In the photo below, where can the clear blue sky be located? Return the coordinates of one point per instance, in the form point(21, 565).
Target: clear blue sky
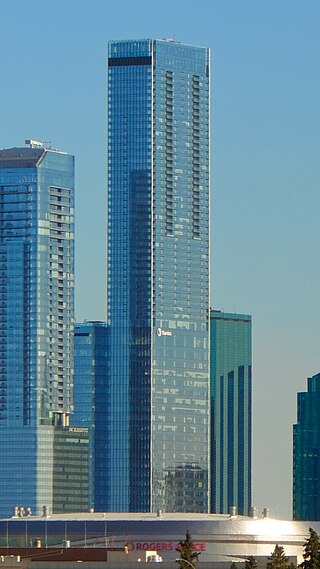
point(265, 168)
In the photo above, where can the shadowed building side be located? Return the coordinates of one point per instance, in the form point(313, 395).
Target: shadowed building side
point(306, 453)
point(231, 411)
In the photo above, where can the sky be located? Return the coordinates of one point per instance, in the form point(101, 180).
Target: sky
point(265, 169)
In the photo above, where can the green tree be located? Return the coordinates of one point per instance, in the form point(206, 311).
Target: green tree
point(251, 563)
point(233, 565)
point(277, 559)
point(188, 556)
point(311, 555)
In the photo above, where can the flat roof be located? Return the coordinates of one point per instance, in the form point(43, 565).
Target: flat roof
point(23, 157)
point(125, 516)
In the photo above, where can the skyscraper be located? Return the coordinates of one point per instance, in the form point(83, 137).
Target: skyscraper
point(231, 394)
point(91, 401)
point(36, 318)
point(158, 276)
point(306, 454)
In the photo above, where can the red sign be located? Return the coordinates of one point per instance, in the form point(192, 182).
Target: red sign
point(164, 546)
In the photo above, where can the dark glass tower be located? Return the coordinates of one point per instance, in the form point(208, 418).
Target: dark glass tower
point(91, 401)
point(36, 319)
point(158, 276)
point(70, 480)
point(231, 395)
point(306, 454)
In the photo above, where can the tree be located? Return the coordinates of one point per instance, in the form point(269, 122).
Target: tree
point(277, 559)
point(187, 554)
point(233, 565)
point(251, 563)
point(311, 554)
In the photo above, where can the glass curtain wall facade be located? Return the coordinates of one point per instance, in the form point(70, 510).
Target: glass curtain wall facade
point(306, 454)
point(70, 470)
point(231, 412)
point(158, 276)
point(92, 401)
point(36, 317)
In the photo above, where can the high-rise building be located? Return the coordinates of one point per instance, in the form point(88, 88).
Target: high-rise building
point(91, 401)
point(36, 319)
point(231, 394)
point(306, 453)
point(158, 276)
point(71, 461)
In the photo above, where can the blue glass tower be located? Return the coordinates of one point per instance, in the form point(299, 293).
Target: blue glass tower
point(231, 412)
point(36, 318)
point(91, 401)
point(306, 454)
point(158, 276)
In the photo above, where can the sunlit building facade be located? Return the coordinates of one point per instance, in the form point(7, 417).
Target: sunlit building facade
point(131, 537)
point(306, 453)
point(158, 276)
point(231, 412)
point(36, 319)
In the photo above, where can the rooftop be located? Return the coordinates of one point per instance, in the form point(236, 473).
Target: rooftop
point(137, 516)
point(23, 157)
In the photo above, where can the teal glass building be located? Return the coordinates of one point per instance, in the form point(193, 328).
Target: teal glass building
point(158, 276)
point(92, 401)
point(36, 319)
point(231, 412)
point(306, 453)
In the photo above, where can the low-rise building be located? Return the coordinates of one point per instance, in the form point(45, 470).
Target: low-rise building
point(124, 538)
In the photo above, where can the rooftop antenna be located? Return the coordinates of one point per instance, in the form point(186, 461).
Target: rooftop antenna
point(36, 143)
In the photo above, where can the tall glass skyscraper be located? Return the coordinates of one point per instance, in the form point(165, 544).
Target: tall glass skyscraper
point(158, 276)
point(231, 395)
point(91, 401)
point(36, 318)
point(306, 454)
